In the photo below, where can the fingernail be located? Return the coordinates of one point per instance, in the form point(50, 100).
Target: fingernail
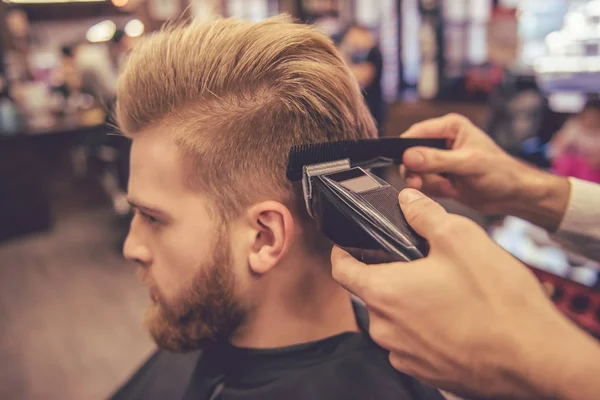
point(414, 158)
point(409, 195)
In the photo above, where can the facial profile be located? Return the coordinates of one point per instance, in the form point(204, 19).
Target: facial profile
point(183, 252)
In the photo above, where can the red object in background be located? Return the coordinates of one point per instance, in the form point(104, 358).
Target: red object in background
point(578, 302)
point(483, 78)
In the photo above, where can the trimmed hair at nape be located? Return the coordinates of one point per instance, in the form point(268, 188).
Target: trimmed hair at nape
point(236, 96)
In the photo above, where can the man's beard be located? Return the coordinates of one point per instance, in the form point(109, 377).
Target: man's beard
point(206, 311)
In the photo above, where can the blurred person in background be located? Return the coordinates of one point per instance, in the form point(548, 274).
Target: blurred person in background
point(20, 41)
point(100, 71)
point(66, 78)
point(363, 56)
point(329, 23)
point(234, 265)
point(118, 49)
point(575, 148)
point(100, 74)
point(17, 63)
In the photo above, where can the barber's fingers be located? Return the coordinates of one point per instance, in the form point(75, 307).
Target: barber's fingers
point(413, 181)
point(422, 214)
point(428, 160)
point(447, 126)
point(432, 184)
point(355, 276)
point(410, 179)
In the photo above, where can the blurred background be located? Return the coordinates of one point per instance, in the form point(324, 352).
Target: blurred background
point(527, 72)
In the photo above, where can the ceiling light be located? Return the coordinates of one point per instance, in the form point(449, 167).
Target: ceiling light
point(50, 1)
point(101, 32)
point(134, 28)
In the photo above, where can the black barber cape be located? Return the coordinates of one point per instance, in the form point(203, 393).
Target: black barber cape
point(346, 366)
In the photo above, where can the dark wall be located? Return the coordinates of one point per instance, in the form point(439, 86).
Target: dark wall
point(3, 36)
point(70, 11)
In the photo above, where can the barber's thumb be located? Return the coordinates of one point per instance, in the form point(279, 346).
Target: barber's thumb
point(421, 213)
point(352, 274)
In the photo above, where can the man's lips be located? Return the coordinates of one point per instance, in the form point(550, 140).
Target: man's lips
point(144, 276)
point(154, 294)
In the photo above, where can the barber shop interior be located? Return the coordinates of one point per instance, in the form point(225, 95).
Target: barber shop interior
point(235, 199)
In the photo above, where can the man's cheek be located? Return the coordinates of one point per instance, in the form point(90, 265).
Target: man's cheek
point(166, 282)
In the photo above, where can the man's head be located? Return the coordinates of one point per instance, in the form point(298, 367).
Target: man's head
point(213, 109)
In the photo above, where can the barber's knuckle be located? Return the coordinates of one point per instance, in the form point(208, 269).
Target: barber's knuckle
point(442, 230)
point(456, 118)
point(338, 269)
point(381, 334)
point(453, 116)
point(354, 282)
point(349, 279)
point(387, 293)
point(464, 222)
point(475, 156)
point(376, 330)
point(432, 158)
point(395, 361)
point(366, 286)
point(462, 228)
point(451, 229)
point(414, 127)
point(438, 234)
point(376, 287)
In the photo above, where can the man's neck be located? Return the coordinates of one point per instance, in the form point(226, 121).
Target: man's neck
point(298, 308)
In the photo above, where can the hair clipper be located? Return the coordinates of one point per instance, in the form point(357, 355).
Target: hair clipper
point(355, 209)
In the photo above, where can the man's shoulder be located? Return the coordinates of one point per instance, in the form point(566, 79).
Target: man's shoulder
point(368, 370)
point(164, 375)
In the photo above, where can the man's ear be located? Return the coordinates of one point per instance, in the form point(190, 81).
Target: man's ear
point(273, 230)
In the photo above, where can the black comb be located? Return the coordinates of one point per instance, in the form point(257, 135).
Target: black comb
point(358, 151)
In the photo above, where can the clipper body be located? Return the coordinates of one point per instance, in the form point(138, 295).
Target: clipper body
point(359, 212)
point(354, 208)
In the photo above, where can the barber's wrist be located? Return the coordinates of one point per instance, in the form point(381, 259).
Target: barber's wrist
point(546, 359)
point(580, 378)
point(542, 198)
point(567, 367)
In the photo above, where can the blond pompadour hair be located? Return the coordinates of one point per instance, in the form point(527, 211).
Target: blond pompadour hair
point(236, 96)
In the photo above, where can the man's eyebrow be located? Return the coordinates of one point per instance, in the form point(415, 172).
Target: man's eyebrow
point(146, 207)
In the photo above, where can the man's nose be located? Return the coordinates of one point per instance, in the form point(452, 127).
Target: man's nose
point(134, 250)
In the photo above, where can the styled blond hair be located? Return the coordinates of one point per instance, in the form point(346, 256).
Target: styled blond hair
point(237, 95)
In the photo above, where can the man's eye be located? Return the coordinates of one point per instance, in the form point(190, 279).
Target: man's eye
point(149, 218)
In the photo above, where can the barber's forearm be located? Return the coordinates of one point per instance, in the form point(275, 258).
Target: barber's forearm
point(542, 199)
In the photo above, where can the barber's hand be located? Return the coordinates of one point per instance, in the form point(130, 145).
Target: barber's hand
point(478, 173)
point(469, 318)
